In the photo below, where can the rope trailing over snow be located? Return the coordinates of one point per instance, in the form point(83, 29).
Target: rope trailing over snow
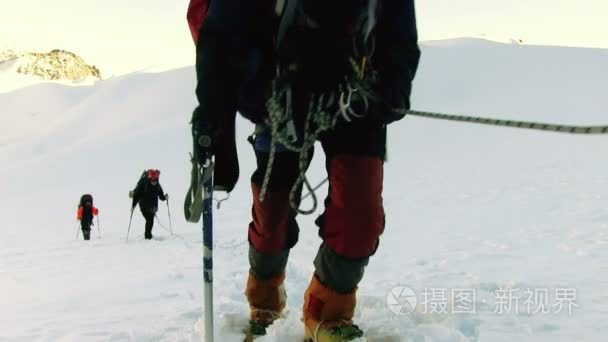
point(601, 129)
point(329, 122)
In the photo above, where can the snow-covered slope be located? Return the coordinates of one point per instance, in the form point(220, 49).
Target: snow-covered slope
point(468, 207)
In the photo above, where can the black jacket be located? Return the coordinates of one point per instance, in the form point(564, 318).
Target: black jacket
point(147, 195)
point(235, 55)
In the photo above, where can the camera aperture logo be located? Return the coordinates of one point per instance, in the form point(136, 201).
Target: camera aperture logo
point(401, 300)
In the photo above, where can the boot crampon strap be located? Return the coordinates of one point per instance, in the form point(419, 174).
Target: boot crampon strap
point(328, 314)
point(334, 331)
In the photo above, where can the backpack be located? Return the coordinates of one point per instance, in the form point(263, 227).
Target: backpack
point(141, 182)
point(87, 212)
point(84, 199)
point(143, 176)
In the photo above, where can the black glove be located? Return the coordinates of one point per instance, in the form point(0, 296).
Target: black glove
point(393, 102)
point(215, 139)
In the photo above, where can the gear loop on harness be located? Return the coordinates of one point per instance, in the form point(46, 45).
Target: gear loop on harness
point(324, 110)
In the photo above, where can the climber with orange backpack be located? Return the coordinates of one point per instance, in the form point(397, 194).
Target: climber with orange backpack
point(85, 214)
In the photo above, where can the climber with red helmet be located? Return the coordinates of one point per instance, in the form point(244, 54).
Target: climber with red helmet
point(146, 193)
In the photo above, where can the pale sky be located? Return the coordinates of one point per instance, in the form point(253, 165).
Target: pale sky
point(128, 35)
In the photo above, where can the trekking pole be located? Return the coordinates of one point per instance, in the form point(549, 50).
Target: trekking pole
point(98, 228)
point(199, 200)
point(77, 230)
point(129, 229)
point(208, 253)
point(169, 213)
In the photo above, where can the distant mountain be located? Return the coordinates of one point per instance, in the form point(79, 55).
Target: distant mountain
point(53, 65)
